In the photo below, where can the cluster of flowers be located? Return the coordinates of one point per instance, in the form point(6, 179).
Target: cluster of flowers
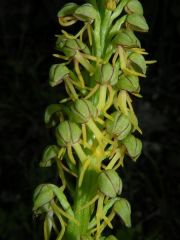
point(95, 123)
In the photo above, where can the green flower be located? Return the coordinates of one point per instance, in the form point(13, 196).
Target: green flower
point(133, 146)
point(50, 153)
point(70, 46)
point(123, 209)
point(137, 23)
point(86, 13)
point(109, 183)
point(120, 126)
point(126, 38)
point(129, 83)
point(67, 10)
point(57, 74)
point(134, 6)
point(43, 194)
point(68, 133)
point(82, 110)
point(138, 62)
point(107, 74)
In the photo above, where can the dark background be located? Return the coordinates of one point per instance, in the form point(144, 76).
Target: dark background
point(152, 185)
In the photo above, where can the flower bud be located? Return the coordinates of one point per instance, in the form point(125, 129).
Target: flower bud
point(68, 133)
point(82, 111)
point(133, 146)
point(86, 12)
point(123, 209)
point(67, 10)
point(138, 62)
point(129, 83)
point(126, 38)
point(43, 194)
point(57, 74)
point(137, 23)
point(134, 6)
point(109, 183)
point(120, 126)
point(49, 154)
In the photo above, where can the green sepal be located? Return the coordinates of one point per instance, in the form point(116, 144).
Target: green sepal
point(43, 194)
point(120, 126)
point(111, 237)
point(60, 42)
point(49, 154)
point(70, 46)
point(137, 23)
point(134, 6)
point(57, 73)
point(61, 197)
point(86, 13)
point(82, 111)
point(129, 83)
point(67, 10)
point(133, 146)
point(109, 183)
point(123, 209)
point(50, 114)
point(68, 132)
point(125, 38)
point(138, 62)
point(107, 74)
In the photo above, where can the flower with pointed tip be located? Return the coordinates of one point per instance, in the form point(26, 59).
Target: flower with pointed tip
point(86, 13)
point(134, 6)
point(123, 209)
point(126, 39)
point(137, 62)
point(137, 23)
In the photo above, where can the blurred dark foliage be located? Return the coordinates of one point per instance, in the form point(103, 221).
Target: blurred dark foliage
point(152, 185)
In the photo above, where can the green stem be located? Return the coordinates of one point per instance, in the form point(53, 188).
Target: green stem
point(84, 194)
